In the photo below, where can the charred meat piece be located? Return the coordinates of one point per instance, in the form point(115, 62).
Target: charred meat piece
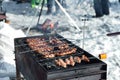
point(67, 61)
point(63, 45)
point(77, 59)
point(54, 41)
point(72, 62)
point(49, 55)
point(41, 49)
point(57, 62)
point(39, 45)
point(66, 51)
point(36, 42)
point(45, 48)
point(61, 63)
point(35, 39)
point(85, 58)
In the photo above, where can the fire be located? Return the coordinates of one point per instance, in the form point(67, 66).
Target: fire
point(51, 25)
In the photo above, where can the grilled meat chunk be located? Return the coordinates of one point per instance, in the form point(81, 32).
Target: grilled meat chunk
point(77, 59)
point(85, 58)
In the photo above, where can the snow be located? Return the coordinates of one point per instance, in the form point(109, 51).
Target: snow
point(7, 62)
point(96, 42)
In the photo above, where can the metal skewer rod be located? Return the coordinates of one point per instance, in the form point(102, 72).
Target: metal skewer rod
point(41, 45)
point(83, 42)
point(24, 52)
point(44, 40)
point(43, 2)
point(73, 40)
point(29, 27)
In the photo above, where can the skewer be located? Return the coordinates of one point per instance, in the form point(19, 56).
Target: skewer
point(39, 46)
point(23, 52)
point(63, 57)
point(42, 45)
point(45, 40)
point(50, 64)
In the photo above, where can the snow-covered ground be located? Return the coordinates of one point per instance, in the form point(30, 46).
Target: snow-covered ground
point(96, 42)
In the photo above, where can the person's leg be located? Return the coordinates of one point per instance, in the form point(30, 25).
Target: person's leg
point(57, 7)
point(49, 6)
point(98, 8)
point(64, 3)
point(105, 7)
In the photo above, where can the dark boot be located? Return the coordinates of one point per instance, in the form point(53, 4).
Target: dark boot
point(57, 7)
point(98, 8)
point(105, 7)
point(49, 6)
point(64, 3)
point(49, 11)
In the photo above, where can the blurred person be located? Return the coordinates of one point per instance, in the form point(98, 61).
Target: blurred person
point(64, 3)
point(50, 4)
point(101, 7)
point(57, 7)
point(21, 1)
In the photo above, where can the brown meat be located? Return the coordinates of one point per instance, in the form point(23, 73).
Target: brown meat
point(63, 45)
point(66, 51)
point(72, 62)
point(49, 56)
point(54, 41)
point(67, 61)
point(77, 59)
point(62, 63)
point(57, 62)
point(85, 58)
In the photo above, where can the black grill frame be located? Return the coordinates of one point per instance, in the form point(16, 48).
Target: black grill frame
point(32, 68)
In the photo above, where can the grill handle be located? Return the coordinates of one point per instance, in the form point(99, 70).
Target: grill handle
point(113, 34)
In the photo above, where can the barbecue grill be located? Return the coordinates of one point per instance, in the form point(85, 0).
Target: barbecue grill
point(34, 66)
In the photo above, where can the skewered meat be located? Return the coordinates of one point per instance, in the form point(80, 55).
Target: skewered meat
point(67, 61)
point(58, 53)
point(49, 55)
point(42, 43)
point(54, 41)
point(72, 62)
point(85, 58)
point(36, 42)
point(61, 63)
point(57, 62)
point(66, 51)
point(45, 48)
point(41, 46)
point(41, 49)
point(62, 46)
point(77, 59)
